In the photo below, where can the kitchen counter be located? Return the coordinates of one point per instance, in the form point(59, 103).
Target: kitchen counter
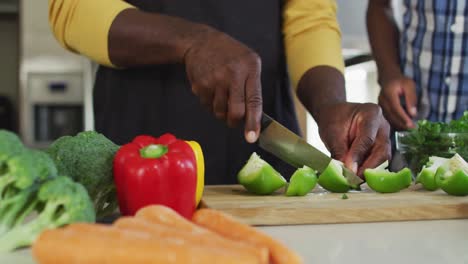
point(415, 242)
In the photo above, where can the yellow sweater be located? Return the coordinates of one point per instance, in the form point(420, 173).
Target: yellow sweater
point(312, 34)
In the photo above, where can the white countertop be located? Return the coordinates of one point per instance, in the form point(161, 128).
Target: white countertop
point(428, 242)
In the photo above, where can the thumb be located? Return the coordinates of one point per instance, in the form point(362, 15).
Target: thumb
point(409, 90)
point(361, 145)
point(253, 108)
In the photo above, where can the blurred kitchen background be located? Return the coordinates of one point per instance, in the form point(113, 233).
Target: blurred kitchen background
point(46, 92)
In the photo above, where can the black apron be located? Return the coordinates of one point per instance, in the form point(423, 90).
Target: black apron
point(158, 99)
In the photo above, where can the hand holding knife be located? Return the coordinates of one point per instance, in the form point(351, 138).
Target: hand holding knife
point(291, 148)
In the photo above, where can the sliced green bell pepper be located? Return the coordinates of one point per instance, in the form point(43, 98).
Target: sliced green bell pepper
point(381, 180)
point(302, 182)
point(427, 175)
point(259, 177)
point(452, 176)
point(332, 178)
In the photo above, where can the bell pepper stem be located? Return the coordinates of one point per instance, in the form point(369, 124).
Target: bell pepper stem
point(153, 151)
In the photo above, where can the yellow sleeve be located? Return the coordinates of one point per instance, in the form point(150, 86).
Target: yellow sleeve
point(312, 36)
point(82, 26)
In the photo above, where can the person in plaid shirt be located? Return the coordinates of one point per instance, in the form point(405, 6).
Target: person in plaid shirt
point(422, 66)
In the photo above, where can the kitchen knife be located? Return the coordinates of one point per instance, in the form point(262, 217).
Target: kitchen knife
point(291, 148)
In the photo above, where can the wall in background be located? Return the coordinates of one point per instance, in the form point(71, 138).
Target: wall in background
point(352, 16)
point(36, 36)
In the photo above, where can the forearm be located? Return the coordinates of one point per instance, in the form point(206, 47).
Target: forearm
point(383, 36)
point(321, 86)
point(138, 38)
point(312, 37)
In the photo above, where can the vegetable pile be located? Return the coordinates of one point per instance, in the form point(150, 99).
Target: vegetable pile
point(158, 234)
point(260, 178)
point(450, 175)
point(31, 185)
point(435, 139)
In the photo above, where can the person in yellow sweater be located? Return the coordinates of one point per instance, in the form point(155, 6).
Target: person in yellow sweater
point(184, 66)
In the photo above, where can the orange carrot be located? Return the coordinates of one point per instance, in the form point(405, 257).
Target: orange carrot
point(159, 214)
point(93, 244)
point(205, 239)
point(166, 216)
point(231, 228)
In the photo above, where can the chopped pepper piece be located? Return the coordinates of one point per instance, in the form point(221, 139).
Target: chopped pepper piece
point(452, 176)
point(427, 175)
point(332, 178)
point(302, 182)
point(380, 179)
point(259, 177)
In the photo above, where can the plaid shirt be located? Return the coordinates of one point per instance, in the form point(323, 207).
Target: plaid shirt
point(434, 53)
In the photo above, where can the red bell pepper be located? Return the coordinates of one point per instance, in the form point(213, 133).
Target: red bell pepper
point(164, 170)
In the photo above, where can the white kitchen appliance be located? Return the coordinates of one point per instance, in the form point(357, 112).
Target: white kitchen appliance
point(53, 97)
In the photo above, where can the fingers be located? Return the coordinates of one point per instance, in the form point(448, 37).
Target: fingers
point(220, 103)
point(409, 90)
point(366, 133)
point(253, 106)
point(381, 151)
point(226, 78)
point(337, 146)
point(394, 112)
point(205, 93)
point(236, 105)
point(389, 100)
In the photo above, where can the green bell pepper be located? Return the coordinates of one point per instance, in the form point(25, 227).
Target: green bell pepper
point(381, 180)
point(259, 177)
point(452, 176)
point(332, 178)
point(427, 175)
point(302, 182)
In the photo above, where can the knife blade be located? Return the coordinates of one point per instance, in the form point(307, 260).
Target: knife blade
point(289, 147)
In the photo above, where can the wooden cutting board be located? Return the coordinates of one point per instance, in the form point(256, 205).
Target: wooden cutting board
point(322, 207)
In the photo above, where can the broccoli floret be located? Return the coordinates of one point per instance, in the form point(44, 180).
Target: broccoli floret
point(87, 158)
point(10, 145)
point(22, 170)
point(19, 182)
point(58, 202)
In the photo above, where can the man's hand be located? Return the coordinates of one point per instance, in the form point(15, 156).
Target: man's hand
point(225, 75)
point(389, 100)
point(356, 134)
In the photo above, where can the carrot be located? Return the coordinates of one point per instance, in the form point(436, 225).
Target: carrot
point(166, 216)
point(231, 228)
point(209, 239)
point(93, 244)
